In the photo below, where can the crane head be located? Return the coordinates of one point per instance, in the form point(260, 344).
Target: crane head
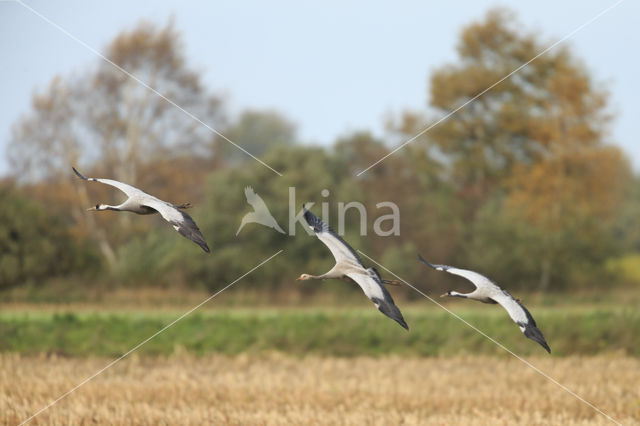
point(98, 207)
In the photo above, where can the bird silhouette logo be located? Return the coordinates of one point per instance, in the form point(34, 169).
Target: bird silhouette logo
point(260, 213)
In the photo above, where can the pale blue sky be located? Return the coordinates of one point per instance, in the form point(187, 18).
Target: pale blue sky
point(332, 67)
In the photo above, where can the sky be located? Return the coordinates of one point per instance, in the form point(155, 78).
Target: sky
point(332, 67)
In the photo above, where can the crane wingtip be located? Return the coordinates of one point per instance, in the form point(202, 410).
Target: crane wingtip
point(426, 263)
point(545, 346)
point(534, 333)
point(80, 175)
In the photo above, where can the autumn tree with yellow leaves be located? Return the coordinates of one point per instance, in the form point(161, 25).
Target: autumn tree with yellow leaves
point(532, 152)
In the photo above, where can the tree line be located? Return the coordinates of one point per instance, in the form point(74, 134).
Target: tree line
point(523, 184)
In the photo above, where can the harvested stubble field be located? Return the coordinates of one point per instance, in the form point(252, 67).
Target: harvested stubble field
point(282, 390)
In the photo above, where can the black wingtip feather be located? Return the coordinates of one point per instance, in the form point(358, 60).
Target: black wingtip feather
point(400, 320)
point(389, 308)
point(425, 262)
point(403, 324)
point(80, 175)
point(190, 230)
point(533, 333)
point(319, 226)
point(312, 220)
point(531, 329)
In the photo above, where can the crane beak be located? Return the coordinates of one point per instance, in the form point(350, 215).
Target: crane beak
point(91, 209)
point(444, 295)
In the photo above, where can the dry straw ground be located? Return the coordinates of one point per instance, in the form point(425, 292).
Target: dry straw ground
point(282, 390)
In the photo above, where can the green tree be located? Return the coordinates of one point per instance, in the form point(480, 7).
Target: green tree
point(257, 132)
point(626, 228)
point(411, 179)
point(36, 246)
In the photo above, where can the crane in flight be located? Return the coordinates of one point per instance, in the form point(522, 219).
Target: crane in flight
point(140, 202)
point(350, 268)
point(488, 292)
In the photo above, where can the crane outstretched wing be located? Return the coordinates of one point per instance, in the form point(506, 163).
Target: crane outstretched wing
point(339, 248)
point(476, 279)
point(181, 221)
point(129, 190)
point(374, 290)
point(522, 317)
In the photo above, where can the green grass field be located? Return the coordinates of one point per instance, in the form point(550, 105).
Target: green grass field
point(325, 332)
